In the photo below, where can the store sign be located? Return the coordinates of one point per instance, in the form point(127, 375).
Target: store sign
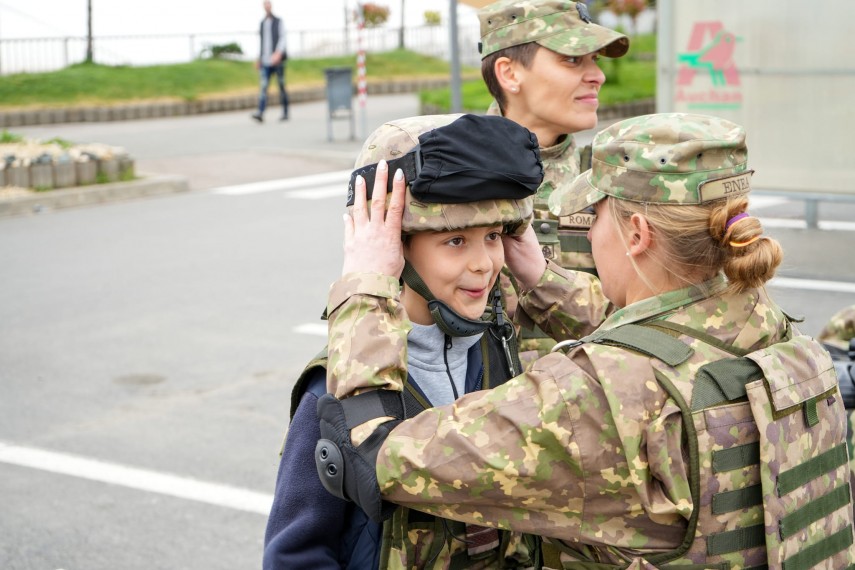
point(707, 77)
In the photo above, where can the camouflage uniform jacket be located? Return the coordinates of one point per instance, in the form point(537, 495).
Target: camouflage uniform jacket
point(588, 447)
point(563, 241)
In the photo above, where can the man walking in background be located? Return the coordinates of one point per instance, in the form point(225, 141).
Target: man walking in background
point(271, 59)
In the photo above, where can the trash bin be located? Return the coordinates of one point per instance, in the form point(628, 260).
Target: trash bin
point(339, 97)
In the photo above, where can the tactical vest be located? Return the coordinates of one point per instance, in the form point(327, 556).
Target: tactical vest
point(766, 442)
point(563, 240)
point(413, 539)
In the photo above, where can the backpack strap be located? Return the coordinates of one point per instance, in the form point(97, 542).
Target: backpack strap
point(645, 340)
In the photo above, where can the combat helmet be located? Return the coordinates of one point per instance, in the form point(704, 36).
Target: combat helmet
point(461, 171)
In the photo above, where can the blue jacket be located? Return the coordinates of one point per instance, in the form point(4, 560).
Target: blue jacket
point(309, 528)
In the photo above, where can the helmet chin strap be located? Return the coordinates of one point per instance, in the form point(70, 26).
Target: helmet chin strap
point(446, 318)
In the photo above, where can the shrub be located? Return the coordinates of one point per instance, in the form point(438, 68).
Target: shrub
point(432, 18)
point(374, 14)
point(217, 51)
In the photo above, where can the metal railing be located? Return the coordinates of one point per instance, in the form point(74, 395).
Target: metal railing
point(31, 55)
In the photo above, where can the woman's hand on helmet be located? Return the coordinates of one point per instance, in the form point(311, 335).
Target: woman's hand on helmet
point(372, 234)
point(524, 257)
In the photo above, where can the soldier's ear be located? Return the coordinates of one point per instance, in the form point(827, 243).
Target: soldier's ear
point(640, 235)
point(507, 74)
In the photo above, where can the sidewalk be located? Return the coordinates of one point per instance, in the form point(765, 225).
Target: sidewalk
point(201, 152)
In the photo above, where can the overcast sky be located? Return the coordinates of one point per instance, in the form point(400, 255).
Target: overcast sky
point(52, 18)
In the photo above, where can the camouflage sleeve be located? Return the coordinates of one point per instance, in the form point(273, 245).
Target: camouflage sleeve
point(505, 457)
point(551, 453)
point(566, 304)
point(368, 329)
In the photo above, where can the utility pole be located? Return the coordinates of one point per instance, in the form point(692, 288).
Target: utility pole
point(454, 55)
point(401, 32)
point(89, 31)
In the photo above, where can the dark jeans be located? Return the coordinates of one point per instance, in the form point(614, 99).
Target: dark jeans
point(265, 72)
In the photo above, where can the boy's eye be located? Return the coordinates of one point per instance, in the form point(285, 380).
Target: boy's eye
point(493, 236)
point(455, 241)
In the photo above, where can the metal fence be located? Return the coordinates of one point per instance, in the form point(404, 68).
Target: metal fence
point(30, 55)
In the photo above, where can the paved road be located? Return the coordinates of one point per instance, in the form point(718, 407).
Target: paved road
point(148, 348)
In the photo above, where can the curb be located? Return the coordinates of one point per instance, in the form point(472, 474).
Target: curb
point(161, 109)
point(39, 202)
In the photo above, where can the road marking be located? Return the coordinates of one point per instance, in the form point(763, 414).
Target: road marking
point(302, 182)
point(787, 223)
point(134, 478)
point(316, 329)
point(321, 192)
point(812, 285)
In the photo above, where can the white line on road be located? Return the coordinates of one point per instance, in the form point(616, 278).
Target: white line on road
point(321, 192)
point(317, 329)
point(134, 478)
point(813, 285)
point(787, 223)
point(302, 182)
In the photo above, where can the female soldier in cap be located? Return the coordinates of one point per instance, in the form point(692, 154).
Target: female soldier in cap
point(539, 61)
point(458, 207)
point(695, 427)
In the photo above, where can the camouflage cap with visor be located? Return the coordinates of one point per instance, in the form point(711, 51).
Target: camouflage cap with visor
point(462, 171)
point(559, 25)
point(666, 158)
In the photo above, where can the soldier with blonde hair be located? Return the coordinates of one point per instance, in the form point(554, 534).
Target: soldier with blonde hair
point(694, 427)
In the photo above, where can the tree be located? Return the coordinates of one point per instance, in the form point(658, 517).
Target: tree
point(631, 8)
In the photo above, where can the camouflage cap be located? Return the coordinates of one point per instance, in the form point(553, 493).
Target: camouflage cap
point(667, 158)
point(394, 139)
point(559, 25)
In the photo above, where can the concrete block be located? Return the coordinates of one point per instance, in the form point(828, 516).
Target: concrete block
point(18, 176)
point(126, 168)
point(108, 170)
point(87, 172)
point(64, 175)
point(2, 178)
point(41, 176)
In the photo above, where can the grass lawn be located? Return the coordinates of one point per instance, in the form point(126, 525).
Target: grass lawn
point(629, 78)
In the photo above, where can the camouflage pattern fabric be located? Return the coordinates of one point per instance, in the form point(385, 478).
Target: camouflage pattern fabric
point(560, 168)
point(840, 328)
point(588, 447)
point(666, 158)
point(559, 25)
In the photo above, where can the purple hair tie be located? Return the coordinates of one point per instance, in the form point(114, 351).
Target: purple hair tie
point(735, 219)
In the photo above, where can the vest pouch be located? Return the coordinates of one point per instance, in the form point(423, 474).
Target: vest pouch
point(804, 465)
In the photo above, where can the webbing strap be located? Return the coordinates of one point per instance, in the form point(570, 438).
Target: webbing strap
point(574, 243)
point(814, 511)
point(645, 340)
point(371, 405)
point(811, 469)
point(816, 553)
point(700, 335)
point(736, 457)
point(723, 381)
point(738, 499)
point(736, 540)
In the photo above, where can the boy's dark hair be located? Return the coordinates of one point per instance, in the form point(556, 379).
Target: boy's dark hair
point(523, 53)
